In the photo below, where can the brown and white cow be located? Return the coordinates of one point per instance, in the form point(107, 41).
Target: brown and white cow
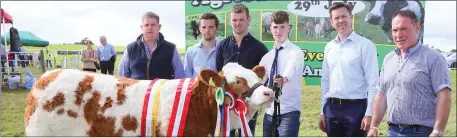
point(69, 102)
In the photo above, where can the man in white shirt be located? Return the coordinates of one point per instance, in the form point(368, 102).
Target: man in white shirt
point(286, 60)
point(349, 78)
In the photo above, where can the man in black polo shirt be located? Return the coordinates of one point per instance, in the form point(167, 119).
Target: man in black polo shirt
point(241, 47)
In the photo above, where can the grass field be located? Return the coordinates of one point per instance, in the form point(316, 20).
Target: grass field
point(13, 104)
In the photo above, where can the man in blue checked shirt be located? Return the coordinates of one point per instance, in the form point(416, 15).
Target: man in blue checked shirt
point(203, 54)
point(414, 85)
point(107, 55)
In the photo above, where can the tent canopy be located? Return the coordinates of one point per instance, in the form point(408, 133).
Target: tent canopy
point(7, 17)
point(27, 39)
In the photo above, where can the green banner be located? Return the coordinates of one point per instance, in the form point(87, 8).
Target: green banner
point(371, 20)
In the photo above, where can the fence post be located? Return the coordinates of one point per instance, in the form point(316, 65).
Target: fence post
point(43, 67)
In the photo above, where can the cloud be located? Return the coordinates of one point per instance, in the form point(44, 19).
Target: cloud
point(70, 21)
point(440, 24)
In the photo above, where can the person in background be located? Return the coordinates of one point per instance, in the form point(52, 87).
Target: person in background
point(107, 55)
point(241, 48)
point(349, 78)
point(2, 56)
point(150, 56)
point(203, 54)
point(89, 57)
point(284, 60)
point(414, 85)
point(21, 56)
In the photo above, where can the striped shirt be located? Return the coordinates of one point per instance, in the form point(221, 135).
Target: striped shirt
point(411, 84)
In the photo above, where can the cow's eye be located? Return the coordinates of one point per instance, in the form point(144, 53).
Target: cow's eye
point(237, 82)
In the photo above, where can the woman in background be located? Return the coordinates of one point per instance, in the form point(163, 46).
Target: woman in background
point(89, 57)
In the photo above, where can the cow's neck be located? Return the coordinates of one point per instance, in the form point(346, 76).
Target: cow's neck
point(202, 115)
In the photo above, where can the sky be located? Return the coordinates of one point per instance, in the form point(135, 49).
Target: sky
point(68, 22)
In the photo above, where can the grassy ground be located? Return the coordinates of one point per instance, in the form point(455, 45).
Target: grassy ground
point(13, 104)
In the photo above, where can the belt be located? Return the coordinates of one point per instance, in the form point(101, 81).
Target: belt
point(343, 101)
point(406, 126)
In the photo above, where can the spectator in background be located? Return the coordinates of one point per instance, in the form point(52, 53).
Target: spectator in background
point(21, 56)
point(107, 55)
point(89, 57)
point(2, 56)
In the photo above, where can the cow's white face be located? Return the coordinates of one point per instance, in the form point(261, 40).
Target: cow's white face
point(241, 80)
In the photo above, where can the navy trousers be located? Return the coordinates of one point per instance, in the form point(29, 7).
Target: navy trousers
point(344, 119)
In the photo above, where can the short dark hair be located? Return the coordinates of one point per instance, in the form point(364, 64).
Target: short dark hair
point(407, 13)
point(209, 16)
point(240, 8)
point(280, 17)
point(338, 5)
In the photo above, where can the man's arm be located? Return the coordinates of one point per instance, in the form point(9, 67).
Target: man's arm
point(325, 80)
point(113, 52)
point(124, 65)
point(220, 56)
point(188, 66)
point(99, 53)
point(294, 66)
point(441, 83)
point(370, 68)
point(177, 66)
point(379, 108)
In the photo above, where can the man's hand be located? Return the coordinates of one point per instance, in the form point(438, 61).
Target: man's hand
point(280, 81)
point(434, 135)
point(365, 125)
point(372, 133)
point(322, 123)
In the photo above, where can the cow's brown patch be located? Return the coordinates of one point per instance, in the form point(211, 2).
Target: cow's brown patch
point(43, 82)
point(56, 101)
point(30, 108)
point(60, 111)
point(123, 83)
point(129, 123)
point(104, 126)
point(201, 116)
point(108, 104)
point(83, 86)
point(240, 86)
point(99, 124)
point(72, 114)
point(92, 107)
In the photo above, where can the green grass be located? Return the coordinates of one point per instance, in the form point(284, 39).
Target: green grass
point(13, 104)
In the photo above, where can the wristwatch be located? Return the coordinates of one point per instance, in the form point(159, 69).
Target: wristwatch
point(437, 132)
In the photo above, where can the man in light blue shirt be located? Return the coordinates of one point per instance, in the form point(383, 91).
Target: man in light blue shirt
point(107, 55)
point(203, 54)
point(349, 78)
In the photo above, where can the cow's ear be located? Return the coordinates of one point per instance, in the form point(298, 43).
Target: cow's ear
point(208, 74)
point(259, 70)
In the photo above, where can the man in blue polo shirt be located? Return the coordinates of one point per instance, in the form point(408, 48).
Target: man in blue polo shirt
point(107, 55)
point(203, 54)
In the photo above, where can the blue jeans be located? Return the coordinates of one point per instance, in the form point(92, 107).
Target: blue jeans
point(251, 124)
point(290, 124)
point(396, 131)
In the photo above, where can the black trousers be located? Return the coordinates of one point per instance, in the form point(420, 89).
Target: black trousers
point(107, 66)
point(343, 119)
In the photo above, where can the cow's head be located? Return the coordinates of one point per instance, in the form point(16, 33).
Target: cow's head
point(244, 83)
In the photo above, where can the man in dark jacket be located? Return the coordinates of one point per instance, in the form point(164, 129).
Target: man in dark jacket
point(241, 47)
point(151, 56)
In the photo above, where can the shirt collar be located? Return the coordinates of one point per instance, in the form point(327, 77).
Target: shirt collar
point(244, 38)
point(200, 44)
point(142, 40)
point(284, 45)
point(410, 49)
point(351, 37)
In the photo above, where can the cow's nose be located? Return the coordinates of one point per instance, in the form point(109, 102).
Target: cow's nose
point(268, 93)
